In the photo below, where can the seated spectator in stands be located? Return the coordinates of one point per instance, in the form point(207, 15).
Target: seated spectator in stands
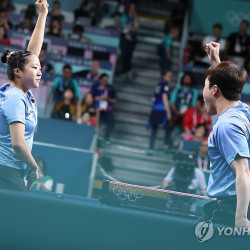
point(55, 27)
point(45, 182)
point(45, 65)
point(66, 109)
point(86, 10)
point(182, 98)
point(7, 6)
point(92, 74)
point(85, 119)
point(27, 25)
point(105, 98)
point(165, 48)
point(89, 115)
point(120, 9)
point(100, 11)
point(215, 37)
point(56, 11)
point(199, 133)
point(3, 36)
point(66, 81)
point(238, 45)
point(129, 27)
point(4, 21)
point(78, 34)
point(196, 115)
point(30, 10)
point(160, 114)
point(185, 177)
point(203, 161)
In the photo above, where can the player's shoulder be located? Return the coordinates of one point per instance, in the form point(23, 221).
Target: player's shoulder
point(13, 93)
point(234, 118)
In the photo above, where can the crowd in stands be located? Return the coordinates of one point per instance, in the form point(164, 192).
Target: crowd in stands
point(236, 47)
point(94, 108)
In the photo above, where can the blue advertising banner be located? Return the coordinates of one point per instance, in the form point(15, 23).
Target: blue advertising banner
point(68, 168)
point(64, 133)
point(15, 35)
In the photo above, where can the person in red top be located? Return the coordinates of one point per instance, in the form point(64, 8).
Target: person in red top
point(196, 115)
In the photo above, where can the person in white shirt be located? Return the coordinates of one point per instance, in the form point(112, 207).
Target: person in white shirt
point(215, 37)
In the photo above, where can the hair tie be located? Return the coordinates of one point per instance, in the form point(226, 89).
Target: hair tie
point(9, 55)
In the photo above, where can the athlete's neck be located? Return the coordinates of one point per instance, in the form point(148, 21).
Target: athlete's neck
point(19, 86)
point(223, 105)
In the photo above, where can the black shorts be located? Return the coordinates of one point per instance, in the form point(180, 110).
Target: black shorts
point(12, 179)
point(158, 117)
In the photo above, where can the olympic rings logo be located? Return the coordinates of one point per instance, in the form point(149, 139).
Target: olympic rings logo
point(124, 193)
point(234, 18)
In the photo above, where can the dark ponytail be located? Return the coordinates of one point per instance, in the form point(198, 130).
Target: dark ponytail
point(4, 56)
point(17, 59)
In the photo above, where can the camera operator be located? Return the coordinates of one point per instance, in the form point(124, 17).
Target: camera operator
point(185, 176)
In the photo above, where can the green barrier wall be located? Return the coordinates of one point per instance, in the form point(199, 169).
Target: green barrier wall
point(227, 12)
point(31, 221)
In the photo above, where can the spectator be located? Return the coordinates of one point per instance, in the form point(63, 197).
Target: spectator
point(27, 25)
point(199, 133)
point(100, 11)
point(56, 11)
point(78, 34)
point(30, 11)
point(92, 74)
point(105, 99)
point(3, 36)
point(45, 65)
point(86, 10)
point(119, 12)
point(185, 177)
point(161, 113)
point(89, 114)
point(85, 118)
point(45, 182)
point(7, 6)
point(238, 45)
point(182, 98)
point(215, 37)
point(4, 21)
point(55, 27)
point(66, 81)
point(66, 109)
point(203, 161)
point(129, 26)
point(196, 115)
point(165, 48)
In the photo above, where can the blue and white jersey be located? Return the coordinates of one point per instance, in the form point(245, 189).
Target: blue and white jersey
point(230, 138)
point(160, 89)
point(15, 106)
